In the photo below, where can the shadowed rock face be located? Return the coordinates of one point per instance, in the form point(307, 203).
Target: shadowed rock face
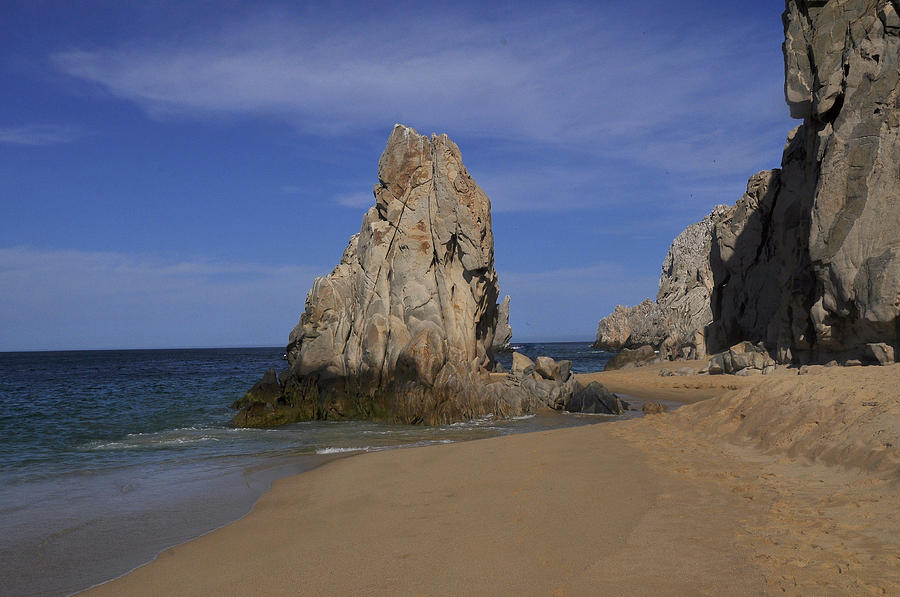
point(403, 328)
point(808, 260)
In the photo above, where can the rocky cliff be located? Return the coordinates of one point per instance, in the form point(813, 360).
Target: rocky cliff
point(808, 260)
point(403, 328)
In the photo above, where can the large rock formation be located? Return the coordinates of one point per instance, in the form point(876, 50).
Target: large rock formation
point(808, 260)
point(403, 328)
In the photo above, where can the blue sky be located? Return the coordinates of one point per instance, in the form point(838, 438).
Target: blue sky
point(175, 174)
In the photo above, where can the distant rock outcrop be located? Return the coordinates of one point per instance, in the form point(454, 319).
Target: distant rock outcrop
point(403, 328)
point(808, 260)
point(675, 321)
point(630, 327)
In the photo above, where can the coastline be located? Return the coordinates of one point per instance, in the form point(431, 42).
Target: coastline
point(122, 522)
point(682, 503)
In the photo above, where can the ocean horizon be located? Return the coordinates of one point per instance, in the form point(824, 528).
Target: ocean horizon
point(108, 457)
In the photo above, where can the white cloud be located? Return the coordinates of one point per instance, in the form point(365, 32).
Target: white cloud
point(573, 78)
point(38, 134)
point(355, 200)
point(55, 299)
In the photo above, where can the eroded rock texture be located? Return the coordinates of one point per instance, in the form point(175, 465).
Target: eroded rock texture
point(808, 260)
point(403, 328)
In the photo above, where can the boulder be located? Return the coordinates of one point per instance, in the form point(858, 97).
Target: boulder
point(404, 326)
point(554, 394)
point(595, 399)
point(879, 352)
point(564, 370)
point(653, 408)
point(743, 356)
point(522, 366)
point(555, 370)
point(632, 358)
point(546, 367)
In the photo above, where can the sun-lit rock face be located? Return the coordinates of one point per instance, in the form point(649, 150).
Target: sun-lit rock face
point(404, 326)
point(417, 282)
point(808, 260)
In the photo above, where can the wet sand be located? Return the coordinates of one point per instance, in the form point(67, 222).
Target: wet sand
point(786, 485)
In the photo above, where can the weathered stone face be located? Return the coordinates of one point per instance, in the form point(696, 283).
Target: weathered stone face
point(403, 328)
point(808, 260)
point(417, 284)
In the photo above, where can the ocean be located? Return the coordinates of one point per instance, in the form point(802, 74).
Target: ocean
point(109, 457)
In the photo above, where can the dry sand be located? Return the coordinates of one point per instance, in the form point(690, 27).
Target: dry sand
point(645, 382)
point(785, 485)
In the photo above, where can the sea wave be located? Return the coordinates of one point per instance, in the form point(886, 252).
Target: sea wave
point(332, 450)
point(161, 439)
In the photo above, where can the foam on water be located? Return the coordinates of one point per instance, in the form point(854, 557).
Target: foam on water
point(341, 450)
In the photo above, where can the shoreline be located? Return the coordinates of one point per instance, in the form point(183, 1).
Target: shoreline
point(102, 527)
point(664, 504)
point(122, 523)
point(271, 474)
point(275, 471)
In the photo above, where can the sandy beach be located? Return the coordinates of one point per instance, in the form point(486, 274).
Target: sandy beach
point(783, 484)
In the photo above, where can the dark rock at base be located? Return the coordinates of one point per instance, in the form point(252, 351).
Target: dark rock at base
point(266, 391)
point(632, 358)
point(595, 399)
